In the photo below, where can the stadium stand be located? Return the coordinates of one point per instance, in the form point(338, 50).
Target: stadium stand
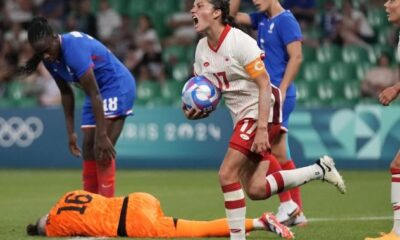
point(330, 74)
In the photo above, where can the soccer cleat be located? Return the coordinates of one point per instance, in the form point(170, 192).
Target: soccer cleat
point(272, 224)
point(385, 236)
point(287, 211)
point(330, 173)
point(299, 221)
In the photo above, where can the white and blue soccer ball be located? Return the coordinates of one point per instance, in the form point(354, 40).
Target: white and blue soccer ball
point(201, 94)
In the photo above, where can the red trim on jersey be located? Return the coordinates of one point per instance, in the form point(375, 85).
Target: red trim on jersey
point(231, 187)
point(221, 38)
point(235, 204)
point(395, 171)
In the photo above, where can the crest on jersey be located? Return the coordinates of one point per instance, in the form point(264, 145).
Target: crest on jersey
point(206, 64)
point(271, 27)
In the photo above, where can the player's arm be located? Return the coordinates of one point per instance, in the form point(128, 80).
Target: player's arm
point(389, 94)
point(261, 142)
point(68, 103)
point(293, 66)
point(258, 74)
point(103, 145)
point(240, 17)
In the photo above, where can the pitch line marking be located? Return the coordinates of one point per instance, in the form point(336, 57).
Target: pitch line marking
point(373, 218)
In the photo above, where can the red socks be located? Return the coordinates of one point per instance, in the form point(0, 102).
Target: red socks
point(274, 166)
point(99, 178)
point(89, 176)
point(294, 192)
point(106, 178)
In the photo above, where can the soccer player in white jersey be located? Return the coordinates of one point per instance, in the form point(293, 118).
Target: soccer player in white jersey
point(231, 60)
point(279, 36)
point(386, 97)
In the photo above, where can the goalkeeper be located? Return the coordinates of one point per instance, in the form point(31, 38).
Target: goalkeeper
point(139, 215)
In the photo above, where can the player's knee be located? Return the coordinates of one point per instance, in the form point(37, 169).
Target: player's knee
point(226, 176)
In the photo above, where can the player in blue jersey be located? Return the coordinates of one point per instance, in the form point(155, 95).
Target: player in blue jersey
point(77, 58)
point(279, 35)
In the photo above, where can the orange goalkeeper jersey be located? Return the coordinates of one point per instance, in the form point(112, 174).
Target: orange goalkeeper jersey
point(81, 213)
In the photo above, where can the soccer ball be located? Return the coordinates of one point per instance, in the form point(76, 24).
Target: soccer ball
point(201, 94)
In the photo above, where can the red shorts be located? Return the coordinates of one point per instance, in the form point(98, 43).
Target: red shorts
point(243, 137)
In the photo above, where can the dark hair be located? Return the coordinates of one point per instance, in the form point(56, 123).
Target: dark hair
point(38, 29)
point(223, 5)
point(32, 230)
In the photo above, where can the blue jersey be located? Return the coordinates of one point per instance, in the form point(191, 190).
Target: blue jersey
point(274, 34)
point(79, 52)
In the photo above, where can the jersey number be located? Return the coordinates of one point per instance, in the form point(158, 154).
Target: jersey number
point(76, 199)
point(110, 104)
point(222, 83)
point(79, 35)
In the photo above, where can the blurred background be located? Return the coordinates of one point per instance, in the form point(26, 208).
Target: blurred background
point(349, 57)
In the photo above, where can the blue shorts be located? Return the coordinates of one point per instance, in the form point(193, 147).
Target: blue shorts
point(114, 105)
point(288, 107)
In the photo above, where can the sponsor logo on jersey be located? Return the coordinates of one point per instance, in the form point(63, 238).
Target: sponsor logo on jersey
point(244, 137)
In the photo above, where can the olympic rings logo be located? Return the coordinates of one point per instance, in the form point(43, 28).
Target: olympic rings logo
point(20, 132)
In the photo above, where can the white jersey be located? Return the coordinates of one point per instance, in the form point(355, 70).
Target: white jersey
point(229, 67)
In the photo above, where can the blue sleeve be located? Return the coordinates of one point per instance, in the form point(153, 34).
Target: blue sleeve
point(78, 56)
point(289, 30)
point(255, 19)
point(50, 70)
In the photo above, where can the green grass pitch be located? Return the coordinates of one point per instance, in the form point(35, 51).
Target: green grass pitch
point(363, 211)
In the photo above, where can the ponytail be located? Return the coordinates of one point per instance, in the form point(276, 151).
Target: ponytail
point(32, 230)
point(223, 5)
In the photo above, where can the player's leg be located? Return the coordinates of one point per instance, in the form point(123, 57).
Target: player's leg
point(213, 228)
point(116, 108)
point(235, 206)
point(106, 168)
point(395, 192)
point(323, 169)
point(395, 199)
point(281, 150)
point(89, 171)
point(220, 227)
point(288, 209)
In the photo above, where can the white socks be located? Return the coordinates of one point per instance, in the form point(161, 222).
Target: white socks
point(235, 209)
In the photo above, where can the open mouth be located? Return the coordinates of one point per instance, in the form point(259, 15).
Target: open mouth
point(195, 20)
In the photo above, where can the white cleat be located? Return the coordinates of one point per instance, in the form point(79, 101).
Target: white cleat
point(299, 221)
point(287, 211)
point(331, 174)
